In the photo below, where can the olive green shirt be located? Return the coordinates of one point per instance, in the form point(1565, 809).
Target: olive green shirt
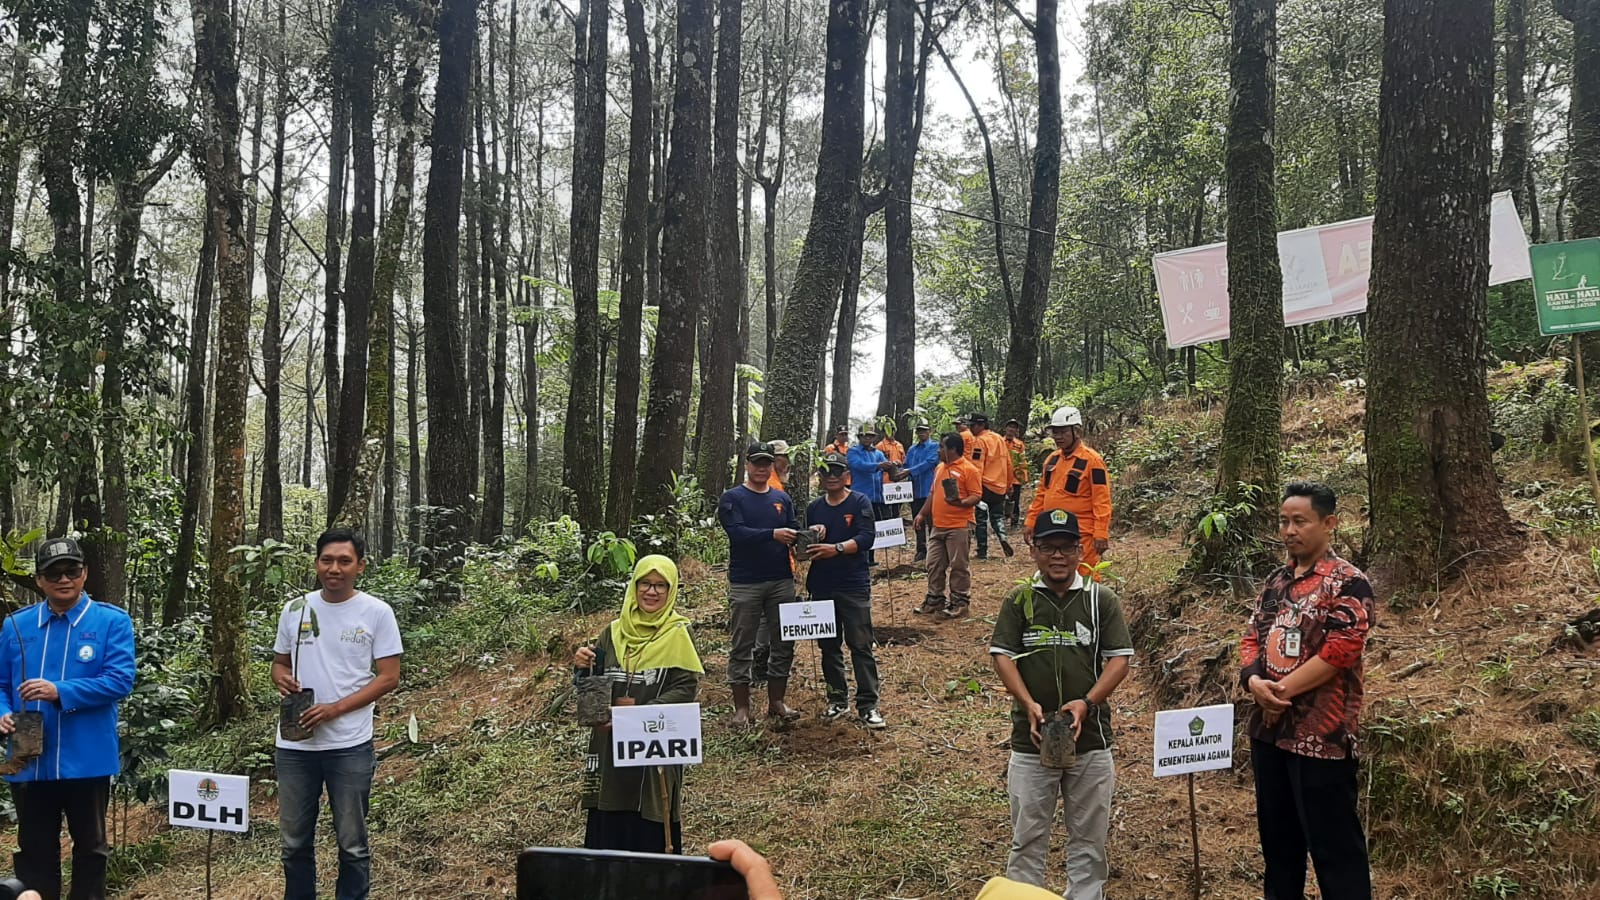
point(1060, 646)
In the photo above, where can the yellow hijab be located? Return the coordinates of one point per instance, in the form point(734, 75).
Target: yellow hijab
point(1005, 889)
point(658, 640)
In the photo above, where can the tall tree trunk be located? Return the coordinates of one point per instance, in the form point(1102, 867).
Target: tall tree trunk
point(630, 305)
point(1433, 493)
point(684, 273)
point(844, 339)
point(494, 430)
point(714, 449)
point(902, 71)
point(415, 498)
point(531, 332)
point(379, 358)
point(448, 486)
point(580, 470)
point(1022, 354)
point(214, 56)
point(1513, 174)
point(269, 521)
point(11, 142)
point(197, 436)
point(332, 253)
point(1583, 164)
point(820, 274)
point(1252, 425)
point(361, 82)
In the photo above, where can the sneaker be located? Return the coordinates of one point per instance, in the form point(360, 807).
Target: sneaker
point(873, 719)
point(983, 554)
point(955, 610)
point(834, 711)
point(930, 606)
point(1006, 546)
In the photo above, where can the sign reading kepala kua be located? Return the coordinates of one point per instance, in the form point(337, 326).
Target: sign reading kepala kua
point(207, 800)
point(895, 492)
point(1194, 740)
point(664, 734)
point(891, 533)
point(807, 620)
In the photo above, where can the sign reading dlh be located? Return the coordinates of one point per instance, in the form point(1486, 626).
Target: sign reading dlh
point(1566, 285)
point(207, 800)
point(1194, 740)
point(666, 734)
point(807, 620)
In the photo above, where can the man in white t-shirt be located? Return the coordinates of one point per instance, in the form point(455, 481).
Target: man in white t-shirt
point(344, 645)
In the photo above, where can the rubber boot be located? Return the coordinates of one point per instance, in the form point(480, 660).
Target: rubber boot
point(741, 706)
point(776, 708)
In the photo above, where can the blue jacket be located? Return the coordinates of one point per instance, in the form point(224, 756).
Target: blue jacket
point(865, 477)
point(921, 461)
point(88, 655)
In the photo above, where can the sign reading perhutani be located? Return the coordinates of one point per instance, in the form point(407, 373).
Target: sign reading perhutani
point(208, 800)
point(891, 533)
point(807, 620)
point(665, 734)
point(896, 492)
point(1566, 285)
point(1194, 740)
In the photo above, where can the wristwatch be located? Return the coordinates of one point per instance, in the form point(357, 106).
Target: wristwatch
point(839, 548)
point(1089, 707)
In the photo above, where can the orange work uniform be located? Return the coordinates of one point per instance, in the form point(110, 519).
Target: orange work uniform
point(1078, 483)
point(969, 483)
point(993, 458)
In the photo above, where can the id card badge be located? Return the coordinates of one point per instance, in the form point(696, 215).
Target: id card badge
point(1291, 643)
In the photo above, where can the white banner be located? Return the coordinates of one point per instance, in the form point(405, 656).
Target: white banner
point(891, 533)
point(208, 800)
point(807, 620)
point(1325, 272)
point(663, 734)
point(1194, 740)
point(896, 492)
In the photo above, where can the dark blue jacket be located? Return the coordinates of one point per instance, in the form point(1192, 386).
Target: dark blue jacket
point(865, 476)
point(921, 461)
point(850, 520)
point(88, 655)
point(749, 519)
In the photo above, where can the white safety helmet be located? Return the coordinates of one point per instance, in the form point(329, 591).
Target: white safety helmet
point(1066, 415)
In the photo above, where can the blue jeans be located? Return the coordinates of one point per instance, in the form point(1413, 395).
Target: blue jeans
point(348, 775)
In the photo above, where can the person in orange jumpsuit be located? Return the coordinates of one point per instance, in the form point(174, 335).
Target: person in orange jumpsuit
point(1019, 471)
point(1074, 478)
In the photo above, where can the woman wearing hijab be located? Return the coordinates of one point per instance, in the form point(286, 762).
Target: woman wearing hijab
point(649, 657)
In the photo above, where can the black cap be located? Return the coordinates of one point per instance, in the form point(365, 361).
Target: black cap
point(54, 550)
point(761, 450)
point(833, 461)
point(1014, 422)
point(1056, 522)
point(977, 417)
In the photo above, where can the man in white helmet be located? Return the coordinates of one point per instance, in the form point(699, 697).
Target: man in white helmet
point(1074, 478)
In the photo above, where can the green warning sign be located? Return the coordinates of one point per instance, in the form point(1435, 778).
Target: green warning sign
point(1566, 285)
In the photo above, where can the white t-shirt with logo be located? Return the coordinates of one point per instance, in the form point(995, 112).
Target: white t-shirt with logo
point(339, 644)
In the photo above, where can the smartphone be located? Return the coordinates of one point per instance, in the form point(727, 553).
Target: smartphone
point(557, 873)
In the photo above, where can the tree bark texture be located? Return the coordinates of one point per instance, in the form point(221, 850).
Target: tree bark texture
point(714, 448)
point(1583, 163)
point(630, 303)
point(844, 337)
point(685, 278)
point(448, 484)
point(269, 520)
point(1023, 353)
point(198, 434)
point(219, 75)
point(793, 379)
point(580, 469)
point(1433, 494)
point(897, 392)
point(1515, 136)
point(1253, 420)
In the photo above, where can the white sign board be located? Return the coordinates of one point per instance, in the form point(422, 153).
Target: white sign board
point(891, 533)
point(1194, 740)
point(807, 620)
point(665, 734)
point(207, 800)
point(896, 492)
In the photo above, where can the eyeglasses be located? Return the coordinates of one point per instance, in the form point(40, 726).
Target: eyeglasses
point(653, 587)
point(1061, 550)
point(68, 574)
point(832, 473)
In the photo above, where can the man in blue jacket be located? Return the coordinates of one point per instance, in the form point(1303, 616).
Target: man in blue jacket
point(922, 458)
point(867, 465)
point(70, 658)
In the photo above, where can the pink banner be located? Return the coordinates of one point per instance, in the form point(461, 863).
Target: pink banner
point(1325, 271)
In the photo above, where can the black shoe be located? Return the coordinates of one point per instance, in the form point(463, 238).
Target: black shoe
point(920, 557)
point(1004, 545)
point(983, 554)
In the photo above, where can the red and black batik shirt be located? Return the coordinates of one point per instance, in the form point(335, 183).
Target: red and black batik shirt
point(1331, 606)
